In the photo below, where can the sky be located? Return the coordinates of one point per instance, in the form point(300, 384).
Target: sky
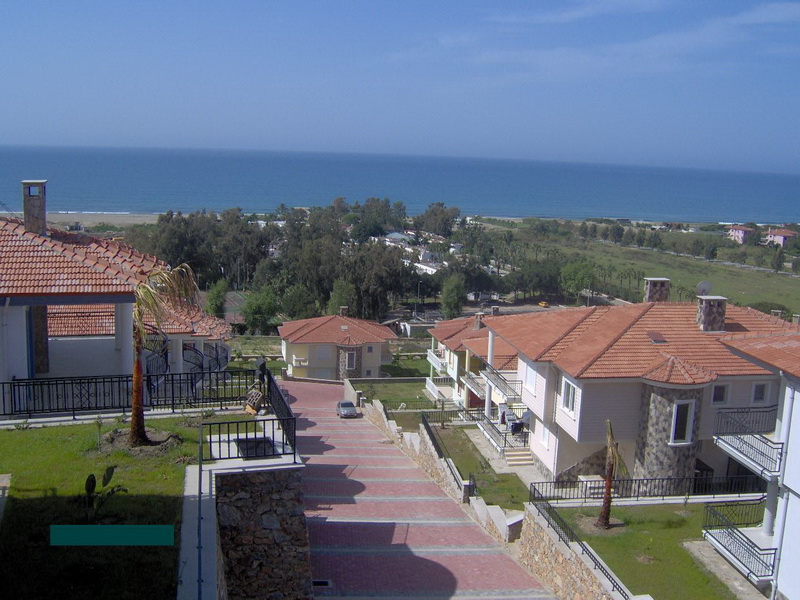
point(674, 83)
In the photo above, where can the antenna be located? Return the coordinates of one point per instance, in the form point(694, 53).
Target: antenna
point(703, 288)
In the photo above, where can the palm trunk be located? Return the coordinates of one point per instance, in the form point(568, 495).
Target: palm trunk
point(138, 436)
point(604, 519)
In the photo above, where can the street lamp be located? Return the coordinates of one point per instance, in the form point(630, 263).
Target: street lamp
point(415, 305)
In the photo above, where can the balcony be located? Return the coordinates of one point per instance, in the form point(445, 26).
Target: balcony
point(510, 388)
point(436, 358)
point(744, 434)
point(733, 529)
point(475, 384)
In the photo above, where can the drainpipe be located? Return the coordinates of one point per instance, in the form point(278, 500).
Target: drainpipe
point(784, 500)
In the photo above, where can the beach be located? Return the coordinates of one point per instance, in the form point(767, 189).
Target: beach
point(64, 220)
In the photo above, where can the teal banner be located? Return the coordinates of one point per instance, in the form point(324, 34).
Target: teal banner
point(112, 535)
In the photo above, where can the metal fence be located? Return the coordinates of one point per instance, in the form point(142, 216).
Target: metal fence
point(460, 415)
point(746, 420)
point(722, 523)
point(74, 395)
point(567, 535)
point(506, 438)
point(648, 488)
point(249, 439)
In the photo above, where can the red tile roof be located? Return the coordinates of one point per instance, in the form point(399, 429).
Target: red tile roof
point(64, 263)
point(739, 228)
point(782, 351)
point(335, 329)
point(458, 335)
point(98, 319)
point(623, 341)
point(781, 232)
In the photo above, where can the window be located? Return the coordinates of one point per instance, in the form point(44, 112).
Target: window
point(369, 349)
point(568, 397)
point(545, 434)
point(351, 361)
point(369, 372)
point(760, 392)
point(33, 190)
point(682, 422)
point(720, 394)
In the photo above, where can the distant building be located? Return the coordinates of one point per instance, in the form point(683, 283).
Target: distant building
point(738, 233)
point(779, 236)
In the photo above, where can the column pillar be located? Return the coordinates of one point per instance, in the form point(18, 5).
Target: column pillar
point(123, 336)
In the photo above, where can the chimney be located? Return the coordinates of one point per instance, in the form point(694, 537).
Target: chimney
point(656, 289)
point(34, 206)
point(342, 311)
point(495, 310)
point(711, 313)
point(478, 321)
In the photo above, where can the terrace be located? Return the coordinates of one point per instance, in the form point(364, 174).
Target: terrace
point(746, 434)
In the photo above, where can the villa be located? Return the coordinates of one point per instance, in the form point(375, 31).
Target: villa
point(738, 233)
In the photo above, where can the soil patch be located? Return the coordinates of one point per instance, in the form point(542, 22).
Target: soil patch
point(588, 524)
point(161, 442)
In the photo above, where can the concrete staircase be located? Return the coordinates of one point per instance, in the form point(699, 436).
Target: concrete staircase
point(519, 457)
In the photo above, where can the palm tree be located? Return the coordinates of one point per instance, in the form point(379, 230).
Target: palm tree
point(162, 290)
point(614, 465)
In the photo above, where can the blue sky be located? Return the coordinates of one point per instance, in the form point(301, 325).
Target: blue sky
point(698, 83)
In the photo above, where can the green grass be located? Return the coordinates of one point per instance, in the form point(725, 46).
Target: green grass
point(49, 467)
point(409, 421)
point(646, 553)
point(395, 392)
point(503, 489)
point(256, 344)
point(408, 367)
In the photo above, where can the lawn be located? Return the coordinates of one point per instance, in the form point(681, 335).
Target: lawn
point(408, 367)
point(646, 553)
point(394, 393)
point(256, 344)
point(49, 467)
point(503, 489)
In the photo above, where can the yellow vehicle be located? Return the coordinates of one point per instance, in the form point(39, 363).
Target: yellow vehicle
point(544, 304)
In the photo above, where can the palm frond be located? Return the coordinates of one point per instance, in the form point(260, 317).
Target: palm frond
point(164, 289)
point(620, 468)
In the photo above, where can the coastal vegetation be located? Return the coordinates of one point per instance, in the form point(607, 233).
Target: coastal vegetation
point(299, 263)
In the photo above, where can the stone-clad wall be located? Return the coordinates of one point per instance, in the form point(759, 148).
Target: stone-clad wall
point(263, 535)
point(557, 565)
point(594, 464)
point(344, 372)
point(654, 456)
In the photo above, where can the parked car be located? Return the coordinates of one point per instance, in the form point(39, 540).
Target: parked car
point(544, 304)
point(346, 409)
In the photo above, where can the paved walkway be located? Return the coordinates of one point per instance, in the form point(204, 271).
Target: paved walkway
point(380, 527)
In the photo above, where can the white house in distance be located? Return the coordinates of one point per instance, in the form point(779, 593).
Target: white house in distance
point(66, 306)
point(657, 370)
point(738, 233)
point(780, 236)
point(335, 347)
point(764, 439)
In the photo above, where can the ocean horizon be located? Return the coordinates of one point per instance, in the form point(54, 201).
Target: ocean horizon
point(150, 181)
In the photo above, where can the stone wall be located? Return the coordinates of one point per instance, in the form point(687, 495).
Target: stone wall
point(263, 534)
point(557, 565)
point(654, 456)
point(342, 352)
point(594, 464)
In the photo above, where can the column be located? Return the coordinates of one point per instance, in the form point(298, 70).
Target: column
point(123, 336)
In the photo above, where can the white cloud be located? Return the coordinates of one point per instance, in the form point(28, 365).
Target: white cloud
point(580, 11)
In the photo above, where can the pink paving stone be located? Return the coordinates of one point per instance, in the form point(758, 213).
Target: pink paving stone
point(379, 535)
point(370, 488)
point(362, 472)
point(352, 508)
point(389, 461)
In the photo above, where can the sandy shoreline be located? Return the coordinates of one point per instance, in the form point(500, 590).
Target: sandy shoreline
point(63, 220)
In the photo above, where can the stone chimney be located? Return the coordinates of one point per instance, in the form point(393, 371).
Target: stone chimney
point(34, 206)
point(711, 313)
point(656, 289)
point(34, 210)
point(342, 311)
point(478, 321)
point(495, 310)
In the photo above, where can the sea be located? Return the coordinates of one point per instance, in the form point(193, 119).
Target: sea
point(118, 180)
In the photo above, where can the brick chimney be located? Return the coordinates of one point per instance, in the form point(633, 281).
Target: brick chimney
point(342, 311)
point(34, 206)
point(656, 289)
point(478, 321)
point(495, 310)
point(711, 313)
point(34, 210)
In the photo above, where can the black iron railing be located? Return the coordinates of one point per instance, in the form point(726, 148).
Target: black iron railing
point(253, 439)
point(173, 391)
point(762, 451)
point(454, 415)
point(746, 421)
point(567, 535)
point(722, 524)
point(510, 388)
point(441, 451)
point(507, 438)
point(473, 485)
point(662, 487)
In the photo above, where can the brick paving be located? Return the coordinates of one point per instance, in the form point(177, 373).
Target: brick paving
point(379, 527)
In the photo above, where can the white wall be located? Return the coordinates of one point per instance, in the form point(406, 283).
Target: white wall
point(13, 343)
point(788, 573)
point(791, 474)
point(740, 395)
point(544, 452)
point(620, 402)
point(566, 420)
point(84, 356)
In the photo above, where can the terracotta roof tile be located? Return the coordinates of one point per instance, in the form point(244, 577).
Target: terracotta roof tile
point(782, 351)
point(335, 329)
point(626, 342)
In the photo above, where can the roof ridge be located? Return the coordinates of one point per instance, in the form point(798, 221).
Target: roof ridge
point(616, 338)
point(574, 326)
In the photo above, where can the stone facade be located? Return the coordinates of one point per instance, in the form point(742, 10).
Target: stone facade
point(656, 289)
point(594, 464)
point(556, 565)
point(711, 313)
point(655, 457)
point(342, 371)
point(263, 534)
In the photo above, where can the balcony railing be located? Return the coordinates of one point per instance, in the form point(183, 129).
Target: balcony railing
point(505, 438)
point(722, 528)
point(174, 391)
point(436, 358)
point(476, 384)
point(740, 431)
point(510, 388)
point(661, 487)
point(299, 361)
